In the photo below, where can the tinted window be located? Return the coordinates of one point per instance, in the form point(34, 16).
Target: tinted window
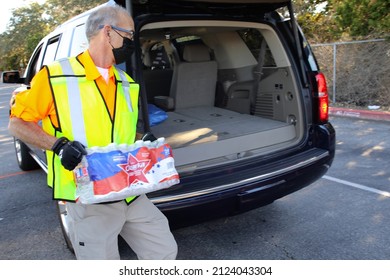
point(158, 57)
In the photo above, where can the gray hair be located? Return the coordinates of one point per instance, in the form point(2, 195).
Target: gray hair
point(107, 15)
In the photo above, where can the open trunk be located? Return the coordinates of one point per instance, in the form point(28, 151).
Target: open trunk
point(228, 96)
point(203, 134)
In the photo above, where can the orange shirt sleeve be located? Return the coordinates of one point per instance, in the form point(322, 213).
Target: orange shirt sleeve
point(36, 103)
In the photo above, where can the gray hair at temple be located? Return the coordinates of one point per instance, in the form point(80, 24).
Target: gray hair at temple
point(107, 15)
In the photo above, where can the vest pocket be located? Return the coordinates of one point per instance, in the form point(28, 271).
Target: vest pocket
point(125, 127)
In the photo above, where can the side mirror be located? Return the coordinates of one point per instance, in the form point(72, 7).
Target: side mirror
point(11, 77)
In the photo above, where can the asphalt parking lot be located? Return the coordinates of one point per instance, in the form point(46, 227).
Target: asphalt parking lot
point(343, 216)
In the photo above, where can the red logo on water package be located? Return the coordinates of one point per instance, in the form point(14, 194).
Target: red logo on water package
point(136, 168)
point(144, 169)
point(131, 172)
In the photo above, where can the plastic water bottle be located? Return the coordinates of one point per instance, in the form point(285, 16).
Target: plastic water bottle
point(81, 174)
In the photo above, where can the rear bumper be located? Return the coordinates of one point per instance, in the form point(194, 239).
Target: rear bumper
point(237, 190)
point(247, 194)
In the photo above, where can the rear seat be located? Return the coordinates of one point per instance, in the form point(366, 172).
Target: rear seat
point(194, 80)
point(157, 74)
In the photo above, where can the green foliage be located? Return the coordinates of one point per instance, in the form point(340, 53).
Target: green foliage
point(22, 35)
point(362, 18)
point(29, 24)
point(336, 19)
point(343, 19)
point(315, 19)
point(56, 9)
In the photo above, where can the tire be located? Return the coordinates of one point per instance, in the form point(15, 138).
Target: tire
point(23, 157)
point(63, 218)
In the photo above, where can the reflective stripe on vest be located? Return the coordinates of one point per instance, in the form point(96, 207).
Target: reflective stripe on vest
point(77, 122)
point(76, 110)
point(126, 88)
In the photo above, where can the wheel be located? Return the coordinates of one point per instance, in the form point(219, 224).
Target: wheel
point(64, 221)
point(23, 157)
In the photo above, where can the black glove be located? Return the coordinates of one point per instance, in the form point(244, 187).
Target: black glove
point(148, 136)
point(70, 152)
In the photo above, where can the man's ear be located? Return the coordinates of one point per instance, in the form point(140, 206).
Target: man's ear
point(106, 30)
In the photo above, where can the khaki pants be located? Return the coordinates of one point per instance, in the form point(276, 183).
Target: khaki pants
point(94, 230)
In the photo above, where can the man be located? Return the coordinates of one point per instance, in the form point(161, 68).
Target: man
point(85, 101)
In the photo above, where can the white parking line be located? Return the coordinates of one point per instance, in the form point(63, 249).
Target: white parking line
point(358, 186)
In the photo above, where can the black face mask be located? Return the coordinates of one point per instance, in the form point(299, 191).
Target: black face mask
point(121, 53)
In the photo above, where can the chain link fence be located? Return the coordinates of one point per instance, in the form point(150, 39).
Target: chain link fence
point(357, 72)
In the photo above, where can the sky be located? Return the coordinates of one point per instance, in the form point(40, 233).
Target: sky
point(6, 10)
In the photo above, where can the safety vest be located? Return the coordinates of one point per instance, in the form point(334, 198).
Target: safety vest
point(83, 116)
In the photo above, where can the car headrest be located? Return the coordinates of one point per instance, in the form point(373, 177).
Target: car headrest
point(196, 53)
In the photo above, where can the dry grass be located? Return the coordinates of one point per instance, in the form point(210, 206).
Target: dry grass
point(362, 73)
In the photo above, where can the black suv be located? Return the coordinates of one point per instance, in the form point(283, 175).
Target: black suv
point(246, 105)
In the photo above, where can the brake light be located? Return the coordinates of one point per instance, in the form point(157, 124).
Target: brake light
point(323, 98)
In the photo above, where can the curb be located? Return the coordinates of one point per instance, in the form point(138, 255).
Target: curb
point(360, 114)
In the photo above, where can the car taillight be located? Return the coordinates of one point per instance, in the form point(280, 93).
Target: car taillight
point(323, 98)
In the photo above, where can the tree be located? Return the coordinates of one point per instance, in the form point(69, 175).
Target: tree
point(24, 31)
point(29, 24)
point(343, 19)
point(315, 19)
point(55, 9)
point(362, 18)
point(321, 21)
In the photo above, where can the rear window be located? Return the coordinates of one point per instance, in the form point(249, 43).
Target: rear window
point(253, 39)
point(158, 57)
